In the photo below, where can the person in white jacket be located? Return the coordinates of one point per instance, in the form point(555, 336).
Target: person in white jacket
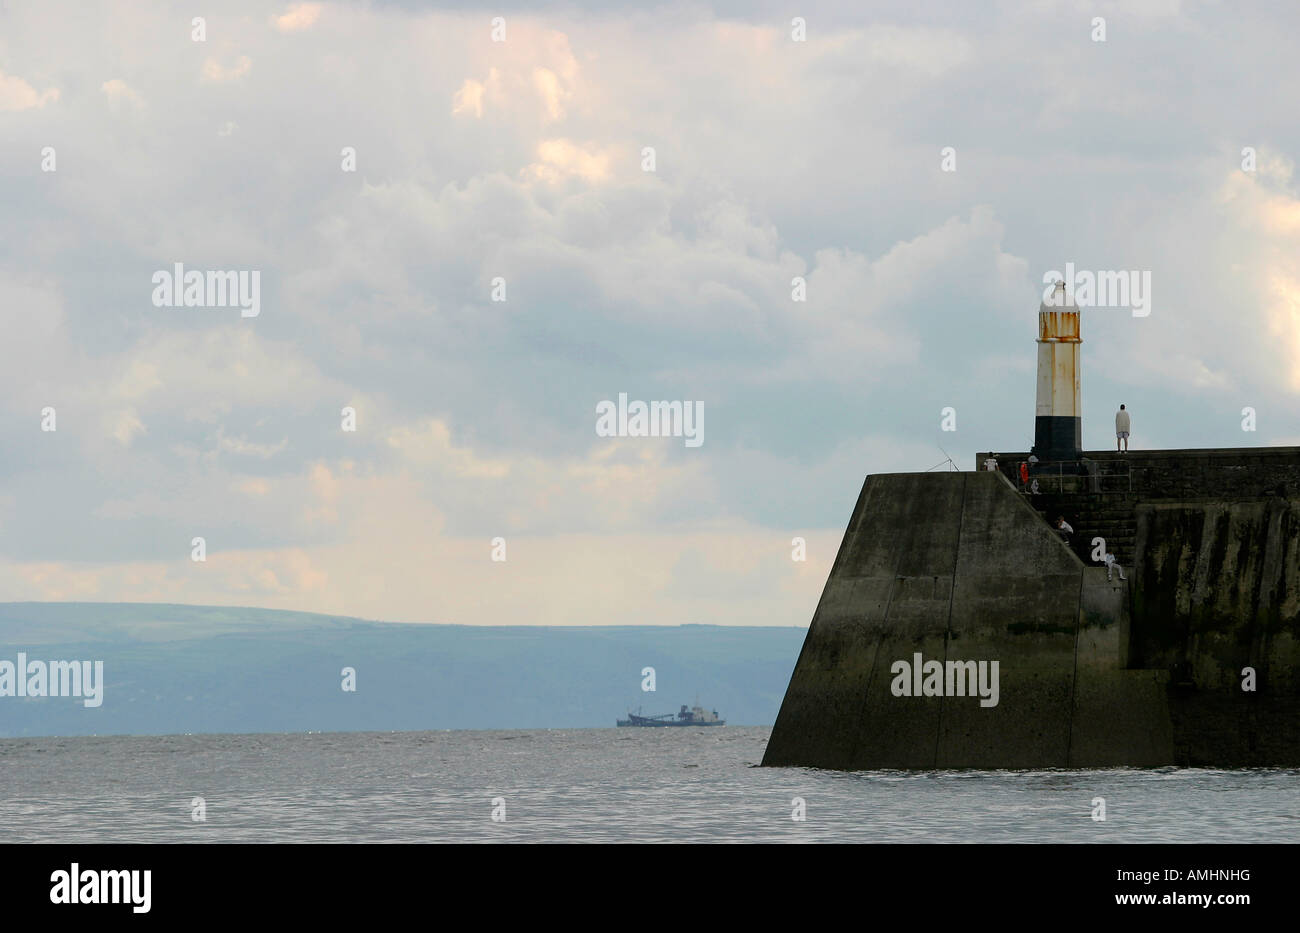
point(1121, 428)
point(1064, 529)
point(1112, 562)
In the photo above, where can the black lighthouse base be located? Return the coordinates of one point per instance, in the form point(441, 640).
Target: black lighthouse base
point(1058, 437)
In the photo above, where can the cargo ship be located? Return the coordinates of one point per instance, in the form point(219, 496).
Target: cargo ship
point(695, 716)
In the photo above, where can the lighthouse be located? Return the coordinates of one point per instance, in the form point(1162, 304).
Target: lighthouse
point(1058, 432)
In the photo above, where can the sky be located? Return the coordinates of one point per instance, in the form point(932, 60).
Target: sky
point(389, 169)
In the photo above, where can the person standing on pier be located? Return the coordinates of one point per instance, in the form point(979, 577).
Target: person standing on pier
point(1121, 429)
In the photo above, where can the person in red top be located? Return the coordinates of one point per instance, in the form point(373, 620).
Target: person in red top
point(1024, 473)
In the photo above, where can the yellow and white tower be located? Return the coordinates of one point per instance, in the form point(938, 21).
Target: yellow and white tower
point(1058, 431)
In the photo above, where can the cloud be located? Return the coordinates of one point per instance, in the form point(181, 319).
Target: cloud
point(520, 161)
point(552, 91)
point(17, 94)
point(469, 99)
point(120, 94)
point(124, 426)
point(246, 448)
point(299, 16)
point(559, 158)
point(736, 576)
point(432, 444)
point(214, 70)
point(1265, 210)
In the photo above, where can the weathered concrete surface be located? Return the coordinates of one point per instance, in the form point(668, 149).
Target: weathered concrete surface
point(1121, 717)
point(1218, 591)
point(958, 566)
point(864, 604)
point(954, 566)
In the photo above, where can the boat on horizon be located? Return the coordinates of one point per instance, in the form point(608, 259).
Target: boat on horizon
point(695, 716)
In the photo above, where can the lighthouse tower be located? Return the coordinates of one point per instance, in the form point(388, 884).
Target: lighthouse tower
point(1058, 432)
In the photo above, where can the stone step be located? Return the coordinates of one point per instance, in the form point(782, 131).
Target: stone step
point(1116, 524)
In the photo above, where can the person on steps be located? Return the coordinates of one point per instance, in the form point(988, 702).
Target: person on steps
point(1111, 562)
point(1064, 529)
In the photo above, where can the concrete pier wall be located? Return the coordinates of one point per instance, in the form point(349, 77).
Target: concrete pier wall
point(959, 566)
point(1177, 474)
point(1217, 590)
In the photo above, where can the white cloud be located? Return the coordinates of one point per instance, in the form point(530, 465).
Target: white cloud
point(521, 160)
point(299, 16)
point(214, 70)
point(17, 94)
point(246, 448)
point(469, 99)
point(552, 91)
point(124, 426)
point(120, 94)
point(560, 158)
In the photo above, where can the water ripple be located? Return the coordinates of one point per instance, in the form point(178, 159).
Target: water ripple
point(592, 785)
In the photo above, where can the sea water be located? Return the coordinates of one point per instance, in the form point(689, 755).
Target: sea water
point(591, 785)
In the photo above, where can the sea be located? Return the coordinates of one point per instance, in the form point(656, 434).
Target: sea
point(591, 785)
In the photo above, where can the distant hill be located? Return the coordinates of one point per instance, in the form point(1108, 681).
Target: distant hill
point(176, 669)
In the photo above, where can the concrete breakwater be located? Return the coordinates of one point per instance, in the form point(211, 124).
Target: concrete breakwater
point(1190, 661)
